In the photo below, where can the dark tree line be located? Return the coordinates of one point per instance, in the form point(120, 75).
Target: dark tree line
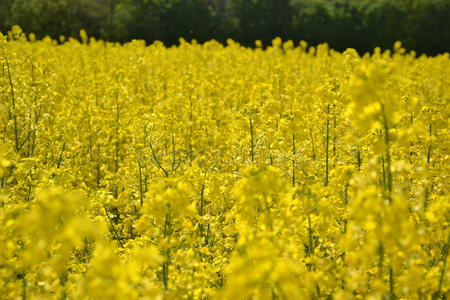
point(422, 25)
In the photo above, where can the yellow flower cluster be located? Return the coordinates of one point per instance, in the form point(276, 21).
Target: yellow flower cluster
point(222, 172)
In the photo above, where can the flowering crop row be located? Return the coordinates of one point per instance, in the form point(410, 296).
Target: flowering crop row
point(210, 171)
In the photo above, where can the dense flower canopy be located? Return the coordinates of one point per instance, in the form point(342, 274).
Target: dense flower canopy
point(210, 171)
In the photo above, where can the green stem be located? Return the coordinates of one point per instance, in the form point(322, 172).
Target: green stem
point(202, 198)
point(141, 194)
point(444, 265)
point(358, 158)
point(13, 100)
point(391, 284)
point(388, 156)
point(158, 163)
point(313, 148)
point(310, 237)
point(293, 159)
point(117, 144)
point(345, 204)
point(165, 265)
point(115, 233)
point(380, 260)
point(429, 146)
point(98, 166)
point(58, 163)
point(24, 288)
point(327, 146)
point(252, 141)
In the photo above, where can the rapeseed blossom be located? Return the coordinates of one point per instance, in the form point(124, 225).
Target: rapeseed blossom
point(205, 171)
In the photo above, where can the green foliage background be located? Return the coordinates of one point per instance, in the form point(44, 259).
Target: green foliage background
point(422, 25)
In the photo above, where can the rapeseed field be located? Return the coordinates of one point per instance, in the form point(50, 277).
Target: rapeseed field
point(210, 171)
